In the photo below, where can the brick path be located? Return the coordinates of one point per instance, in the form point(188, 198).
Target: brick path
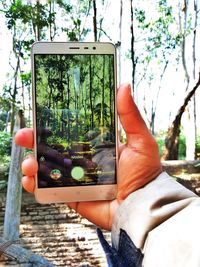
point(60, 235)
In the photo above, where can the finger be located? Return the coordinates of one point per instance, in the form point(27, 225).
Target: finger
point(128, 112)
point(24, 137)
point(28, 183)
point(29, 166)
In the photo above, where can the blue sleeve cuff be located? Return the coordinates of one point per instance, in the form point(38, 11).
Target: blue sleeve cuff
point(126, 255)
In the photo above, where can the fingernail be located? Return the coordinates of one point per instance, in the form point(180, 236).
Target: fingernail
point(127, 86)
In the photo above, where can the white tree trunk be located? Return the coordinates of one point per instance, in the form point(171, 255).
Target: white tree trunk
point(14, 189)
point(190, 132)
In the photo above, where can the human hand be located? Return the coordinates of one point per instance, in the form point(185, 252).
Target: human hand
point(138, 162)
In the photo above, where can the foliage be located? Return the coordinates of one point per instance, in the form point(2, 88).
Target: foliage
point(5, 151)
point(5, 143)
point(3, 184)
point(198, 147)
point(182, 147)
point(160, 138)
point(3, 118)
point(4, 102)
point(159, 35)
point(198, 142)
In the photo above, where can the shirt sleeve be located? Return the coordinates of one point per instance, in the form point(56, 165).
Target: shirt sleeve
point(163, 220)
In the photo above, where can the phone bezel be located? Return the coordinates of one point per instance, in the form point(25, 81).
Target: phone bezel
point(73, 193)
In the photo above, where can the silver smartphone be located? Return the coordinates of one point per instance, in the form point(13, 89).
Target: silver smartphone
point(75, 124)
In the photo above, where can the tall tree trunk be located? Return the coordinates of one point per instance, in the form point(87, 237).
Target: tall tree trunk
point(35, 19)
point(120, 41)
point(183, 31)
point(102, 98)
point(52, 25)
point(132, 49)
point(76, 135)
point(14, 190)
point(172, 139)
point(194, 66)
point(191, 111)
point(102, 92)
point(95, 20)
point(23, 91)
point(61, 91)
point(68, 112)
point(190, 135)
point(111, 97)
point(155, 101)
point(190, 131)
point(38, 30)
point(14, 94)
point(90, 90)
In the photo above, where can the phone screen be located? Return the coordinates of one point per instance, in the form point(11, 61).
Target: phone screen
point(75, 119)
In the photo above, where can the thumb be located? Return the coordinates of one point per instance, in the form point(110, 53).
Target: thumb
point(129, 115)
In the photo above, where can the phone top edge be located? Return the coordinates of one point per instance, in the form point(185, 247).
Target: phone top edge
point(45, 47)
point(71, 42)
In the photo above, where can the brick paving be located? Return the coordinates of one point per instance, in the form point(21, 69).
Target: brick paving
point(60, 235)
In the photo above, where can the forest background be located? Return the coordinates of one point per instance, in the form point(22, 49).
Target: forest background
point(157, 44)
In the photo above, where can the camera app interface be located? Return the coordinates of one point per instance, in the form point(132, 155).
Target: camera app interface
point(75, 106)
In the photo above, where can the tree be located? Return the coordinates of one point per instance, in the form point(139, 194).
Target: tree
point(133, 60)
point(95, 20)
point(119, 43)
point(166, 41)
point(14, 190)
point(159, 42)
point(172, 139)
point(21, 19)
point(191, 135)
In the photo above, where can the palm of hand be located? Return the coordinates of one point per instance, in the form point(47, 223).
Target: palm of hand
point(139, 163)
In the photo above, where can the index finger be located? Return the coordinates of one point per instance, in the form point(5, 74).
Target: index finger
point(24, 137)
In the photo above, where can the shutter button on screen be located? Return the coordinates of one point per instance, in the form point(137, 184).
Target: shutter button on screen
point(77, 173)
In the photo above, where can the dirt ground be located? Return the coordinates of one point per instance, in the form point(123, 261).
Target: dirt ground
point(185, 172)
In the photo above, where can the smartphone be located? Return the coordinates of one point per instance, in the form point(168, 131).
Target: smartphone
point(75, 124)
